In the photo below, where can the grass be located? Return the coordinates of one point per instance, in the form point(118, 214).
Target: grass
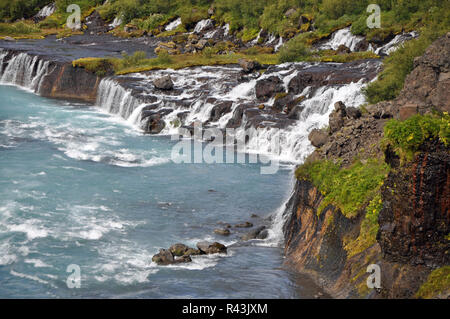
point(438, 282)
point(349, 189)
point(407, 136)
point(369, 229)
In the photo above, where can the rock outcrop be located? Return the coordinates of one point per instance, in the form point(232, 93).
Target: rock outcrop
point(414, 220)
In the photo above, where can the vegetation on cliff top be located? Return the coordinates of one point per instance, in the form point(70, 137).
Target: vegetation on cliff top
point(438, 282)
point(349, 189)
point(407, 136)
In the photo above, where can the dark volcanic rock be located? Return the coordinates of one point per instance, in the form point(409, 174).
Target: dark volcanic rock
point(353, 112)
point(429, 83)
point(164, 257)
point(163, 83)
point(266, 88)
point(212, 248)
point(223, 232)
point(258, 233)
point(178, 249)
point(318, 137)
point(249, 66)
point(244, 225)
point(336, 120)
point(415, 219)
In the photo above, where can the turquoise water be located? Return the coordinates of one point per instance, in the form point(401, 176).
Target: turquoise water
point(81, 187)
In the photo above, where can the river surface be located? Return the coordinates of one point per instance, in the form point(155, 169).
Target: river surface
point(82, 187)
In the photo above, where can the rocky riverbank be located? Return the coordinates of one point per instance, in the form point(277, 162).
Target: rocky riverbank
point(413, 223)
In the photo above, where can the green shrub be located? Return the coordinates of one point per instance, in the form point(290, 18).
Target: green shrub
point(293, 50)
point(438, 282)
point(346, 188)
point(369, 228)
point(164, 57)
point(18, 28)
point(406, 137)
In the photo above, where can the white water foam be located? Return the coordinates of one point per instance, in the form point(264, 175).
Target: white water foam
point(46, 11)
point(342, 37)
point(25, 71)
point(173, 25)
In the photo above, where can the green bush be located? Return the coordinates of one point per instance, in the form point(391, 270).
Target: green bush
point(18, 28)
point(438, 282)
point(294, 50)
point(346, 188)
point(406, 137)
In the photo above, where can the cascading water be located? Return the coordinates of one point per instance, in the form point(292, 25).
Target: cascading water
point(46, 11)
point(173, 25)
point(24, 70)
point(395, 43)
point(114, 99)
point(342, 37)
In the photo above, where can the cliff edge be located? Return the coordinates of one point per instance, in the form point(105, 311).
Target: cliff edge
point(377, 191)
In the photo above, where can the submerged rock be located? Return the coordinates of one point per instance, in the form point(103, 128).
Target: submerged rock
point(211, 248)
point(223, 232)
point(244, 225)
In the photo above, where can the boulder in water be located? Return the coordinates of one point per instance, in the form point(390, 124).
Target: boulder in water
point(249, 66)
point(258, 233)
point(266, 88)
point(163, 83)
point(212, 248)
point(244, 225)
point(164, 257)
point(223, 232)
point(178, 249)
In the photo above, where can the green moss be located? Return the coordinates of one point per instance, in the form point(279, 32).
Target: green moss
point(18, 29)
point(406, 137)
point(438, 282)
point(346, 188)
point(349, 57)
point(369, 229)
point(99, 66)
point(280, 95)
point(248, 34)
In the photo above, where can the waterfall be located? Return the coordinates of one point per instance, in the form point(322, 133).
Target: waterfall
point(342, 37)
point(201, 90)
point(116, 22)
point(173, 25)
point(203, 25)
point(24, 70)
point(278, 46)
point(46, 11)
point(115, 99)
point(395, 43)
point(226, 29)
